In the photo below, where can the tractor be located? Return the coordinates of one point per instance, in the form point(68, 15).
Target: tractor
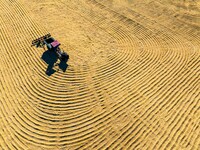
point(52, 45)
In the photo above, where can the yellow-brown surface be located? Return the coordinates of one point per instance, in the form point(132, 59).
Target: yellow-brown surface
point(133, 80)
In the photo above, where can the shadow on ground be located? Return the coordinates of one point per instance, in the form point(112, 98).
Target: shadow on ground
point(50, 57)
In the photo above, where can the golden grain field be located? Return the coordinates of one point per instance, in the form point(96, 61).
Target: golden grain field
point(132, 81)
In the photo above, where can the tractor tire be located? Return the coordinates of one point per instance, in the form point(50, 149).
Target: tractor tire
point(65, 56)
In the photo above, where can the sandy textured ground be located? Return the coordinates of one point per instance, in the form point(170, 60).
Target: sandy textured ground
point(132, 82)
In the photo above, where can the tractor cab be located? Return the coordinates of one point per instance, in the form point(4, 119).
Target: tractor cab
point(51, 44)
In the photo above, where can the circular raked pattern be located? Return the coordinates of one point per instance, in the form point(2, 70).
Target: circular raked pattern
point(132, 81)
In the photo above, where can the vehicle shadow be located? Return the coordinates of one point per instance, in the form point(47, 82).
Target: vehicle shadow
point(51, 58)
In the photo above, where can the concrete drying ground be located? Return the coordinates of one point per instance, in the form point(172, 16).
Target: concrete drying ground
point(132, 80)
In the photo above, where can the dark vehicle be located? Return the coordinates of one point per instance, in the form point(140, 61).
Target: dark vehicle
point(51, 44)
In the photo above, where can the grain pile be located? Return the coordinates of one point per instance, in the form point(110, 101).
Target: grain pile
point(132, 82)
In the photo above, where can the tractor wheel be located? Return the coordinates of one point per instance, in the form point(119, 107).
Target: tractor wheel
point(65, 56)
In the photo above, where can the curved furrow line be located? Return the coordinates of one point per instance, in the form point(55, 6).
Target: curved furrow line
point(60, 99)
point(48, 120)
point(49, 104)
